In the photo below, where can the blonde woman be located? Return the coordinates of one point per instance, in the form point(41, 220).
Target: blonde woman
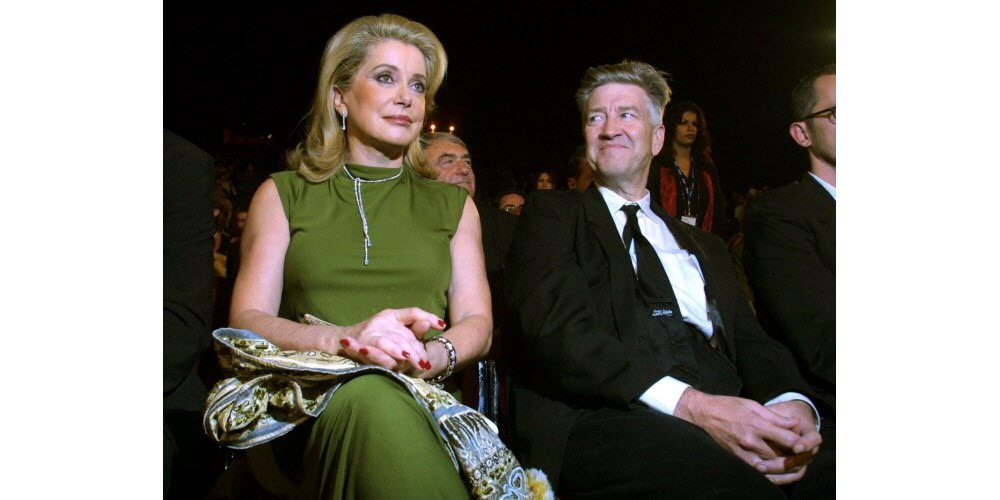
point(356, 236)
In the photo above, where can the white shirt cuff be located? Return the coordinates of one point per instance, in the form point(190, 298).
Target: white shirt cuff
point(794, 396)
point(664, 395)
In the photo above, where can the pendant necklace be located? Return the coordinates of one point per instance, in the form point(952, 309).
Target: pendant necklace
point(361, 205)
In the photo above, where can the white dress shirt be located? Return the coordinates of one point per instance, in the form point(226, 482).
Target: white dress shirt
point(829, 188)
point(688, 283)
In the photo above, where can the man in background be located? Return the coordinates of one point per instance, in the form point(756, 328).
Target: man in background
point(580, 174)
point(448, 155)
point(790, 245)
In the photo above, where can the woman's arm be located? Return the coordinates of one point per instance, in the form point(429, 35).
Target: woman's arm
point(257, 297)
point(468, 298)
point(257, 290)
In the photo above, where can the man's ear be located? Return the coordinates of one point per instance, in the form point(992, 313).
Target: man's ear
point(659, 134)
point(800, 134)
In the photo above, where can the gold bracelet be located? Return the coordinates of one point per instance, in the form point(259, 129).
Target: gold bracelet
point(452, 358)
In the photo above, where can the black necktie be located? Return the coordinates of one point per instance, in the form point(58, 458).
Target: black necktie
point(657, 305)
point(694, 360)
point(654, 286)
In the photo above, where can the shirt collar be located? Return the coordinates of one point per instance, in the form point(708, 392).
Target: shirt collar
point(829, 189)
point(615, 201)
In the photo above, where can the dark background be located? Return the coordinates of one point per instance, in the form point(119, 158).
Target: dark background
point(252, 68)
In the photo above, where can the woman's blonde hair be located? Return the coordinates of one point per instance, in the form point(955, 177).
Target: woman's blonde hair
point(324, 149)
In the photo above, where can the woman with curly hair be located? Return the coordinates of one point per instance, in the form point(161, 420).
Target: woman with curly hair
point(683, 178)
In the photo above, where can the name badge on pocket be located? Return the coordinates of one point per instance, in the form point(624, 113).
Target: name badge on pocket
point(663, 312)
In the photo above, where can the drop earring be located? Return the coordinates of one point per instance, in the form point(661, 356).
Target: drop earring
point(343, 121)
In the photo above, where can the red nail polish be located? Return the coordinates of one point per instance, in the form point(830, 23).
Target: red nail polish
point(425, 365)
point(406, 355)
point(345, 342)
point(441, 323)
point(363, 351)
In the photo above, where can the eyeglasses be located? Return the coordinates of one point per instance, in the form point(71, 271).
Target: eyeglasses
point(832, 111)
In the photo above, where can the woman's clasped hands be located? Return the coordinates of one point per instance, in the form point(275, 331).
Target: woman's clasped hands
point(391, 339)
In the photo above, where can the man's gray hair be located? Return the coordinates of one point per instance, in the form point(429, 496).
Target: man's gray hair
point(427, 138)
point(645, 76)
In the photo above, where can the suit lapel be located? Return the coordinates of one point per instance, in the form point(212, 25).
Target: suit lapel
point(709, 270)
point(686, 241)
point(619, 263)
point(823, 208)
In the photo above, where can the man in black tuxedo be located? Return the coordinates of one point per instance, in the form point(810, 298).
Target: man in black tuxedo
point(651, 383)
point(790, 250)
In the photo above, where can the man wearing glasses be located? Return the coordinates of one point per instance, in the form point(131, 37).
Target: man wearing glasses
point(790, 241)
point(511, 202)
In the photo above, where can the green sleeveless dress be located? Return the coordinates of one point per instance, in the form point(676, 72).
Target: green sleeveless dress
point(411, 221)
point(373, 440)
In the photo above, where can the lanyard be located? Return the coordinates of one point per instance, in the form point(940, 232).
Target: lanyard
point(688, 185)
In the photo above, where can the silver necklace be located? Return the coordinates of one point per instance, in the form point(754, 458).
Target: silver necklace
point(361, 204)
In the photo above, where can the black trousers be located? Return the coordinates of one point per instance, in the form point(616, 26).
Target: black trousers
point(192, 462)
point(643, 453)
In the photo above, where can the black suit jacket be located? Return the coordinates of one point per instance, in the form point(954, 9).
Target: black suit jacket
point(498, 231)
point(790, 256)
point(578, 345)
point(188, 180)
